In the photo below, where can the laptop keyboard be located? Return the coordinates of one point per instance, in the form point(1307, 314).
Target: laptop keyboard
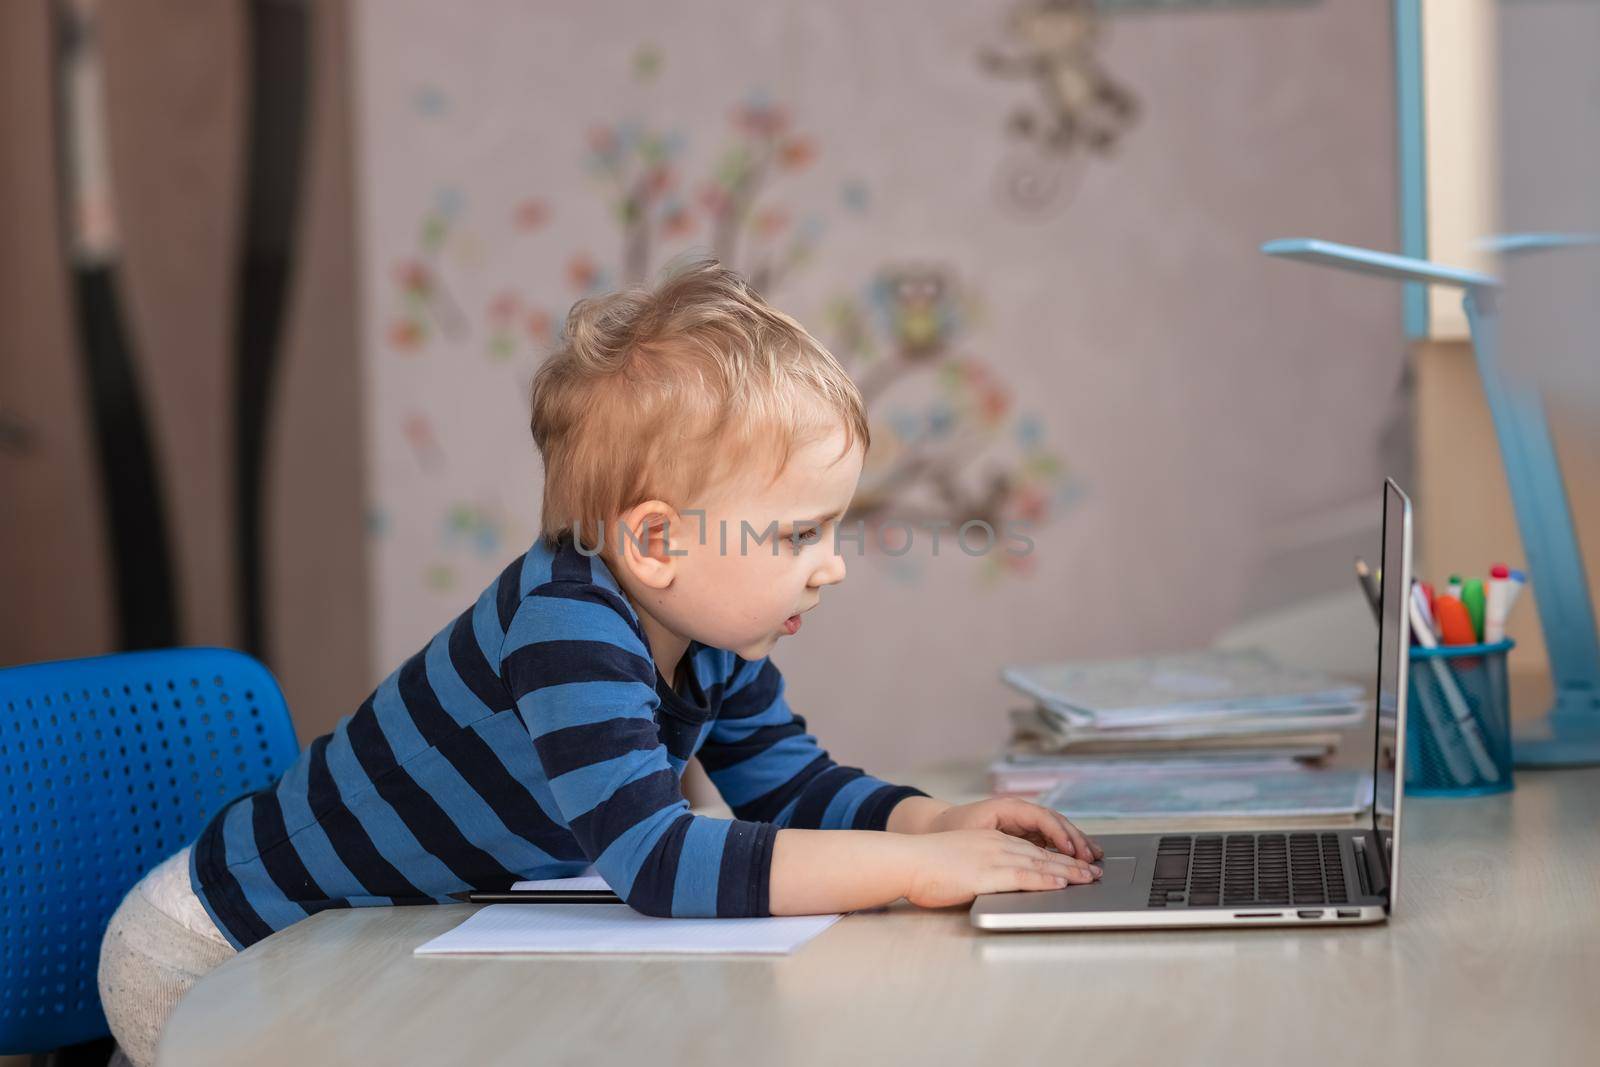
point(1207, 870)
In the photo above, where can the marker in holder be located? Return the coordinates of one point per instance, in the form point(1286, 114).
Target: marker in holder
point(1459, 737)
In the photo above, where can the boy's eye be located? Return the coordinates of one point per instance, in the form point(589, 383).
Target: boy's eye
point(802, 536)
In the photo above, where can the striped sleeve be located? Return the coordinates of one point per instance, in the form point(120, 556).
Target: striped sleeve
point(768, 768)
point(588, 699)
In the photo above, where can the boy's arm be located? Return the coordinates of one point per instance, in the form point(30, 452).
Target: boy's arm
point(588, 702)
point(915, 815)
point(843, 870)
point(769, 769)
point(588, 705)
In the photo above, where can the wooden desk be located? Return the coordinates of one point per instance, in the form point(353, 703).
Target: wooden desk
point(1493, 958)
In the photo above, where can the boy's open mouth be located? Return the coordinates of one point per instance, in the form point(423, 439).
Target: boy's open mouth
point(791, 625)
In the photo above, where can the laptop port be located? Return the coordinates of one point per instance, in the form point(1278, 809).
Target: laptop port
point(1314, 914)
point(1349, 913)
point(1258, 915)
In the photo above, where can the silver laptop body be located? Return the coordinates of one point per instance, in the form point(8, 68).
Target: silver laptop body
point(1260, 877)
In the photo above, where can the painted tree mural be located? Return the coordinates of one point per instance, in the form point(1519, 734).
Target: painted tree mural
point(949, 444)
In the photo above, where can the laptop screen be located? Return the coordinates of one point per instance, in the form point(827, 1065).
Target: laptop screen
point(1394, 634)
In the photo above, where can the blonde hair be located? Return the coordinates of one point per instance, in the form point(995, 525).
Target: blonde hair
point(661, 393)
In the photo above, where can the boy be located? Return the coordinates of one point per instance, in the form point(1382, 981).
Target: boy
point(547, 727)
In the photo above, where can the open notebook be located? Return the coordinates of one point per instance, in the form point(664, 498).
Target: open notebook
point(616, 929)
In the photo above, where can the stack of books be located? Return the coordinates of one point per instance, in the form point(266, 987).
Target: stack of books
point(1199, 710)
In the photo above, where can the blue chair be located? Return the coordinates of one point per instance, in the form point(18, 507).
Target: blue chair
point(109, 765)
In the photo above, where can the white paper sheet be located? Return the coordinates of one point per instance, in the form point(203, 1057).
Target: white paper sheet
point(618, 929)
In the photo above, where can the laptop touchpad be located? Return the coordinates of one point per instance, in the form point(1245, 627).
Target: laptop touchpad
point(1118, 870)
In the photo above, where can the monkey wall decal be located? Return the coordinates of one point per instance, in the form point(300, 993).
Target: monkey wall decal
point(1079, 108)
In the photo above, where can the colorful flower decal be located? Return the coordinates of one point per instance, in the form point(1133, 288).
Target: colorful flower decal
point(505, 312)
point(647, 63)
point(418, 431)
point(530, 215)
point(473, 528)
point(537, 324)
point(472, 535)
point(439, 577)
point(425, 302)
point(585, 277)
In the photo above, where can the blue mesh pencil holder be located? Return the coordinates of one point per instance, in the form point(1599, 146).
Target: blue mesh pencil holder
point(1458, 730)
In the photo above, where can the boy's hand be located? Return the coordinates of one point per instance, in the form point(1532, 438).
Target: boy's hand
point(953, 867)
point(1019, 818)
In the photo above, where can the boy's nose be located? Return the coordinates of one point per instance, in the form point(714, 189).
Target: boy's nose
point(831, 572)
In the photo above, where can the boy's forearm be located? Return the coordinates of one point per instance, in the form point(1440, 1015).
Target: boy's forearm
point(914, 815)
point(819, 871)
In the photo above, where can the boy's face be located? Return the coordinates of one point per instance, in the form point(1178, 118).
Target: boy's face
point(743, 588)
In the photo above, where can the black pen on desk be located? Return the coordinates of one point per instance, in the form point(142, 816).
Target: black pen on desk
point(538, 896)
point(1369, 588)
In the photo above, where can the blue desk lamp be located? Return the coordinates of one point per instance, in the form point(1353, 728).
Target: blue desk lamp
point(1570, 734)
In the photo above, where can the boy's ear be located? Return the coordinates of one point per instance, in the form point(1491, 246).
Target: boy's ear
point(650, 538)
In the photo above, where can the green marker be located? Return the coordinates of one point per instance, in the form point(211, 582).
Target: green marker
point(1472, 597)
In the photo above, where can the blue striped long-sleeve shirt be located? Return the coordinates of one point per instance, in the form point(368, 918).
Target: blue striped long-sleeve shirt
point(530, 738)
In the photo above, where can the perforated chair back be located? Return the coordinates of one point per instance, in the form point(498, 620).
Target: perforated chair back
point(108, 765)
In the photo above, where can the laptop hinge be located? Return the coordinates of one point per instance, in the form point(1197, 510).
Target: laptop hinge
point(1370, 869)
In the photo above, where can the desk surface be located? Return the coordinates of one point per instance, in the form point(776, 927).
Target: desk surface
point(1493, 958)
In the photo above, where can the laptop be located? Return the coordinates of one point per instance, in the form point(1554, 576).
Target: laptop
point(1290, 876)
